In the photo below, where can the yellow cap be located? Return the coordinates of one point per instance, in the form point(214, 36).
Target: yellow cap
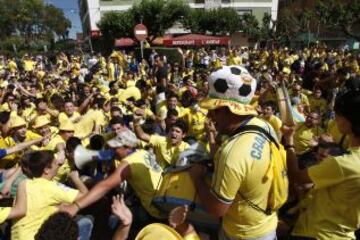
point(158, 231)
point(17, 121)
point(67, 126)
point(41, 121)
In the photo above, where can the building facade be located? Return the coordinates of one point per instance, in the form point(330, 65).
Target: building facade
point(92, 10)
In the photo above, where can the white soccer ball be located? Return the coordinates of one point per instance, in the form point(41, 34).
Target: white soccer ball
point(232, 83)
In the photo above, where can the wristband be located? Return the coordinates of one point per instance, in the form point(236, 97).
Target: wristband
point(288, 146)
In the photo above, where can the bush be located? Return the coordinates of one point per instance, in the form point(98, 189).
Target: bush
point(22, 46)
point(171, 54)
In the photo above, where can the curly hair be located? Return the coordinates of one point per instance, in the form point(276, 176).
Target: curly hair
point(59, 226)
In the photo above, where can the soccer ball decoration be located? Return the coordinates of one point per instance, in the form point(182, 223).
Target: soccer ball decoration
point(232, 83)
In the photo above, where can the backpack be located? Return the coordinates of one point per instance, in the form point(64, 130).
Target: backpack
point(276, 171)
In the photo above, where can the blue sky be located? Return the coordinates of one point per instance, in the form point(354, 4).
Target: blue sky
point(71, 10)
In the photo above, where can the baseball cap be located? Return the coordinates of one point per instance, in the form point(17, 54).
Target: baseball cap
point(125, 138)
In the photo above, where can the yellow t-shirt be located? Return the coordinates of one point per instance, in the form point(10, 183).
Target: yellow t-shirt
point(145, 178)
point(303, 137)
point(54, 141)
point(10, 160)
point(196, 121)
point(166, 154)
point(4, 213)
point(334, 210)
point(35, 114)
point(29, 65)
point(335, 133)
point(240, 166)
point(130, 92)
point(276, 123)
point(86, 125)
point(162, 113)
point(12, 66)
point(63, 117)
point(5, 107)
point(318, 105)
point(42, 197)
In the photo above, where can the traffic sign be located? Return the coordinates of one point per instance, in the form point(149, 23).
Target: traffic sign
point(140, 32)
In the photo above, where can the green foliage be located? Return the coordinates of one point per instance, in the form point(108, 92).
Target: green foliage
point(159, 15)
point(23, 46)
point(31, 20)
point(250, 26)
point(218, 21)
point(340, 15)
point(115, 25)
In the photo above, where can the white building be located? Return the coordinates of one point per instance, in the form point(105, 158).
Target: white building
point(92, 10)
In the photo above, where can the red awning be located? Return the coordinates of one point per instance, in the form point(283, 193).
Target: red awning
point(196, 40)
point(124, 42)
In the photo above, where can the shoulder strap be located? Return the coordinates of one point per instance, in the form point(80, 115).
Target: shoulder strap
point(258, 130)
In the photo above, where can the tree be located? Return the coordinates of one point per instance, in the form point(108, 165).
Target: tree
point(115, 25)
point(286, 28)
point(340, 15)
point(250, 26)
point(31, 19)
point(159, 15)
point(218, 21)
point(54, 21)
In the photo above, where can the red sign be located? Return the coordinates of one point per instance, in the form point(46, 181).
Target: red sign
point(140, 32)
point(196, 40)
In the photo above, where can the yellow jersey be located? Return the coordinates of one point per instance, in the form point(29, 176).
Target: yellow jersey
point(276, 123)
point(63, 117)
point(240, 166)
point(11, 160)
point(88, 122)
point(337, 136)
point(318, 104)
point(304, 136)
point(166, 153)
point(43, 197)
point(145, 178)
point(334, 210)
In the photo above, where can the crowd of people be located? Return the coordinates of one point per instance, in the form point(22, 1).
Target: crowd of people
point(158, 131)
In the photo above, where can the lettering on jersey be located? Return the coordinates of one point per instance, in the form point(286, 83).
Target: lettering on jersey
point(257, 147)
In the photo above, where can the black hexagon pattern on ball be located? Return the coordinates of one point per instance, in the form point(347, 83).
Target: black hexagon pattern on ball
point(235, 71)
point(220, 85)
point(244, 90)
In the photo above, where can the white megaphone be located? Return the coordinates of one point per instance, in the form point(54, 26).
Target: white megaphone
point(83, 156)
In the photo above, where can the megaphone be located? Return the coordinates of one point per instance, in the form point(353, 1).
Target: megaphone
point(83, 156)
